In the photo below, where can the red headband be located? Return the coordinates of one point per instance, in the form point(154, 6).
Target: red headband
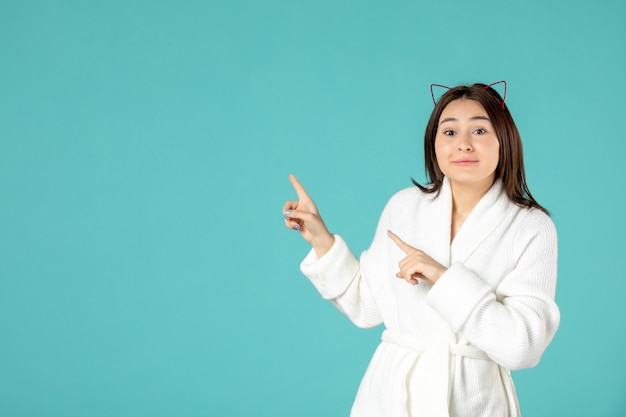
point(484, 88)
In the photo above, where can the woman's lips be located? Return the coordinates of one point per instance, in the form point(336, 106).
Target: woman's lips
point(464, 162)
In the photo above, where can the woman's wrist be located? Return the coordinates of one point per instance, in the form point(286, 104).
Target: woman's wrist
point(322, 244)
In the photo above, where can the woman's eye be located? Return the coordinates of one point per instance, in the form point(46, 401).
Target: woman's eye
point(480, 131)
point(448, 132)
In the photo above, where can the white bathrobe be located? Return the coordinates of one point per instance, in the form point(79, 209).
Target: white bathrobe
point(448, 347)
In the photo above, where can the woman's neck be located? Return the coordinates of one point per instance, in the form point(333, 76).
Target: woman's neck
point(464, 199)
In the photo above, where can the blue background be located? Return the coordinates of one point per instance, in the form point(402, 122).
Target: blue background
point(144, 153)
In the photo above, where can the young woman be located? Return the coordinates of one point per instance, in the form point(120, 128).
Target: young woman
point(462, 271)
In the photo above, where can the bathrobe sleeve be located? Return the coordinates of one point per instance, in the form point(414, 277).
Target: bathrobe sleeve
point(337, 277)
point(515, 323)
point(344, 280)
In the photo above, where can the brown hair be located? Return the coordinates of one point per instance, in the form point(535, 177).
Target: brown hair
point(510, 167)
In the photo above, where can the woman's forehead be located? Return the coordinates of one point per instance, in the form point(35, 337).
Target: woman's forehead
point(463, 109)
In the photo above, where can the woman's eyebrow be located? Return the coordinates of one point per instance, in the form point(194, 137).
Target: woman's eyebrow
point(447, 119)
point(454, 119)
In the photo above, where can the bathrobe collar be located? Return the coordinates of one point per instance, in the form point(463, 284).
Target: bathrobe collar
point(488, 213)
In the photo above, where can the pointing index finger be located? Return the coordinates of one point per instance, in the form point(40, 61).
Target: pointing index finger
point(302, 194)
point(406, 248)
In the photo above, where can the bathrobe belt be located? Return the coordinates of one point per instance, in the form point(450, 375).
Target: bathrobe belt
point(435, 362)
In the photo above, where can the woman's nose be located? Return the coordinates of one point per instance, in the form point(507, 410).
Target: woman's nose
point(464, 143)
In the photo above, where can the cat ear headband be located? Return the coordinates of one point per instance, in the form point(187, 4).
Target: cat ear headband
point(432, 93)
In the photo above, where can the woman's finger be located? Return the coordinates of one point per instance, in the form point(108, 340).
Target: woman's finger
point(411, 280)
point(290, 205)
point(421, 266)
point(405, 247)
point(303, 216)
point(298, 219)
point(293, 225)
point(302, 194)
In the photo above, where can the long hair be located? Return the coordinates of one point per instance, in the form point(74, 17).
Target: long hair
point(510, 167)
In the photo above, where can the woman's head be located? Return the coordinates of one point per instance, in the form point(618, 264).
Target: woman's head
point(510, 164)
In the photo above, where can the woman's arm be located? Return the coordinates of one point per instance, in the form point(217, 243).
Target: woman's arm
point(331, 266)
point(514, 324)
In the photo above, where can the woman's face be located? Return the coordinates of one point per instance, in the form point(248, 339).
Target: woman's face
point(466, 144)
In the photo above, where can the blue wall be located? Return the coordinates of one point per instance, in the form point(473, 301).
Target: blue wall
point(144, 153)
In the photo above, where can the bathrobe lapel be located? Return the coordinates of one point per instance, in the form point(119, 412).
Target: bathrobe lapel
point(482, 221)
point(436, 222)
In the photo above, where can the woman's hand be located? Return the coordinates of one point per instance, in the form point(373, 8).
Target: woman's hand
point(302, 215)
point(417, 264)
